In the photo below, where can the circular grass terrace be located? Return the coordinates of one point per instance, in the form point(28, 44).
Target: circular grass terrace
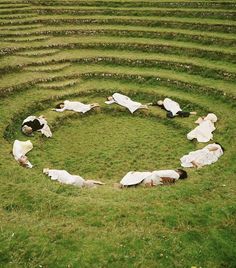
point(85, 51)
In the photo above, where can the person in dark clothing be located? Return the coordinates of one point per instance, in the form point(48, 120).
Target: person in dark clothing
point(33, 123)
point(173, 109)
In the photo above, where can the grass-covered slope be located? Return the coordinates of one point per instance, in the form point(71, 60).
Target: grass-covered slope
point(86, 50)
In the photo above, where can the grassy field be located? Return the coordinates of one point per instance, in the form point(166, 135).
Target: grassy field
point(55, 50)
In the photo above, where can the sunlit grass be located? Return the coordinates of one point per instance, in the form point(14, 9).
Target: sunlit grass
point(46, 224)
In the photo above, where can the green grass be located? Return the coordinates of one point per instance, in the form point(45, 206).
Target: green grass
point(50, 58)
point(76, 54)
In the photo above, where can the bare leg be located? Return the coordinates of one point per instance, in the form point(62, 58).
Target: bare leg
point(143, 109)
point(118, 186)
point(97, 109)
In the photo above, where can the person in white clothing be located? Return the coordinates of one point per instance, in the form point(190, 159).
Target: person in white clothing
point(126, 102)
point(173, 108)
point(159, 177)
point(203, 132)
point(66, 178)
point(75, 106)
point(206, 156)
point(20, 149)
point(33, 123)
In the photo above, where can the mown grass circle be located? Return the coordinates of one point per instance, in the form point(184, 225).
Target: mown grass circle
point(106, 146)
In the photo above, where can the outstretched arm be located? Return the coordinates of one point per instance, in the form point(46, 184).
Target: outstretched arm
point(196, 164)
point(59, 110)
point(212, 149)
point(110, 101)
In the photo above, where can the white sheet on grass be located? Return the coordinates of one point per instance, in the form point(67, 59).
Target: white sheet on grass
point(136, 177)
point(125, 101)
point(171, 106)
point(21, 148)
point(66, 178)
point(46, 131)
point(75, 106)
point(203, 132)
point(203, 156)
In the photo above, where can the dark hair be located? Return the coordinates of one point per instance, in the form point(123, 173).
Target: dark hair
point(23, 164)
point(58, 106)
point(182, 174)
point(223, 149)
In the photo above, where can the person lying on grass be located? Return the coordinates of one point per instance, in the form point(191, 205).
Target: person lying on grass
point(33, 123)
point(66, 178)
point(75, 106)
point(173, 108)
point(159, 177)
point(126, 102)
point(203, 132)
point(206, 156)
point(20, 149)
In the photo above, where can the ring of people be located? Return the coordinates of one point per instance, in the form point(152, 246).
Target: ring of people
point(203, 133)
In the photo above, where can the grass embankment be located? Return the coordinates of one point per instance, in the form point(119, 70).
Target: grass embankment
point(147, 55)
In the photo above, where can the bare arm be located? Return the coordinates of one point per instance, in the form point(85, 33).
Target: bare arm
point(196, 164)
point(213, 149)
point(59, 110)
point(167, 180)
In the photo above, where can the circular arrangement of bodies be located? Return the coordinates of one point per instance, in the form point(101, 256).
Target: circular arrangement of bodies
point(57, 53)
point(203, 133)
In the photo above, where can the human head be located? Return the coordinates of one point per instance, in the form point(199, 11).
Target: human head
point(23, 160)
point(27, 130)
point(109, 98)
point(182, 174)
point(160, 102)
point(45, 170)
point(60, 105)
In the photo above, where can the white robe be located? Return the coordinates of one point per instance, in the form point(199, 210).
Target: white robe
point(21, 148)
point(154, 178)
point(203, 132)
point(66, 178)
point(125, 101)
point(29, 118)
point(45, 130)
point(171, 106)
point(203, 156)
point(75, 106)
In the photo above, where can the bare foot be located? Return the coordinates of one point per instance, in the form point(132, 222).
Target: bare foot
point(118, 186)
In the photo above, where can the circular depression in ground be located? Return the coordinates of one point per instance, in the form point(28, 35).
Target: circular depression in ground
point(106, 146)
